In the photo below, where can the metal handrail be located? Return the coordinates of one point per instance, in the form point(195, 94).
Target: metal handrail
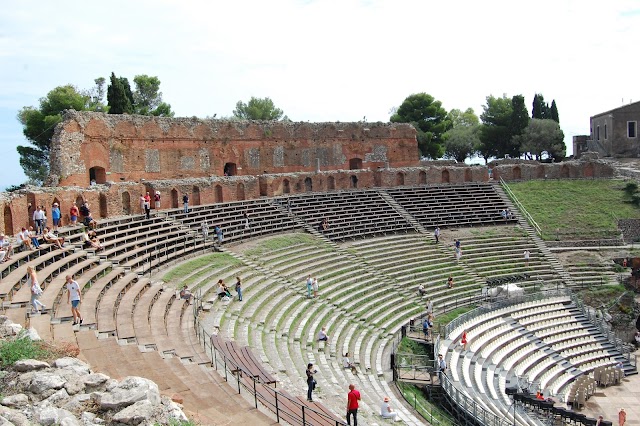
point(231, 369)
point(520, 207)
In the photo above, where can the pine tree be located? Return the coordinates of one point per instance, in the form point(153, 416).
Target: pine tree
point(554, 112)
point(117, 98)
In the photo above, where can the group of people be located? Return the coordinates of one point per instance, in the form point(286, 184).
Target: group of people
point(312, 287)
point(217, 230)
point(74, 295)
point(224, 293)
point(506, 214)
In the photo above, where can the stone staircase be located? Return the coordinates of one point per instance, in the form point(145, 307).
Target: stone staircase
point(402, 212)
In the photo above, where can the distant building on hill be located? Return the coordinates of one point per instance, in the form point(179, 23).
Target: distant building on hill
point(614, 133)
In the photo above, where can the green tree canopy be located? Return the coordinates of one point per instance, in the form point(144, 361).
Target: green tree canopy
point(430, 120)
point(461, 142)
point(38, 126)
point(495, 131)
point(119, 96)
point(258, 109)
point(543, 136)
point(463, 118)
point(148, 97)
point(519, 116)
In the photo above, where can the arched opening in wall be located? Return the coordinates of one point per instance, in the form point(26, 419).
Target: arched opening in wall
point(79, 201)
point(97, 175)
point(57, 201)
point(218, 194)
point(445, 176)
point(468, 176)
point(588, 170)
point(399, 179)
point(308, 184)
point(240, 192)
point(564, 172)
point(355, 163)
point(422, 178)
point(103, 205)
point(517, 173)
point(540, 172)
point(230, 169)
point(126, 203)
point(286, 188)
point(8, 221)
point(174, 198)
point(262, 182)
point(377, 178)
point(354, 181)
point(195, 195)
point(331, 182)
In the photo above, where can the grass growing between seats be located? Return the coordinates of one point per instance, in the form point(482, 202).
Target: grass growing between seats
point(281, 242)
point(584, 208)
point(427, 409)
point(210, 262)
point(446, 318)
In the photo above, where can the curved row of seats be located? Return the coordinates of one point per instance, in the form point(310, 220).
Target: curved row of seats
point(526, 340)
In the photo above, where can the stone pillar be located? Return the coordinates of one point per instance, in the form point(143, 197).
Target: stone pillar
point(317, 165)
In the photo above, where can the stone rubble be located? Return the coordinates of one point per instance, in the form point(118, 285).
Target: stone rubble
point(66, 392)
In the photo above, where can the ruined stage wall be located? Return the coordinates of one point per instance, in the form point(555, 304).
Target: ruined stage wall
point(129, 148)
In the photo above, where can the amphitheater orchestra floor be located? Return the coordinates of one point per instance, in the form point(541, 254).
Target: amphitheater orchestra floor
point(608, 401)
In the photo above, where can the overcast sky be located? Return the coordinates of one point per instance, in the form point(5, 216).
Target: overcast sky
point(323, 60)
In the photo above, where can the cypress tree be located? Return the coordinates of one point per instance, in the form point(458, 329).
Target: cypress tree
point(554, 112)
point(117, 98)
point(538, 107)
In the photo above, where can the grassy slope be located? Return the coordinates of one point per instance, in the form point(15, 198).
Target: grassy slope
point(582, 207)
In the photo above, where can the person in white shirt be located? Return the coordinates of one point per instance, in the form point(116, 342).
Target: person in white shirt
point(36, 290)
point(51, 238)
point(38, 220)
point(74, 296)
point(346, 363)
point(386, 411)
point(25, 239)
point(6, 247)
point(323, 336)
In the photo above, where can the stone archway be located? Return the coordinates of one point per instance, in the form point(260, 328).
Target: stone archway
point(286, 186)
point(240, 192)
point(126, 202)
point(354, 181)
point(308, 184)
point(8, 220)
point(230, 169)
point(331, 182)
point(445, 176)
point(540, 172)
point(468, 176)
point(355, 163)
point(564, 172)
point(399, 179)
point(174, 198)
point(102, 200)
point(97, 174)
point(517, 173)
point(588, 170)
point(264, 186)
point(218, 194)
point(195, 195)
point(422, 177)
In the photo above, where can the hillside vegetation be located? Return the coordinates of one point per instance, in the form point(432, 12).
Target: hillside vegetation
point(575, 208)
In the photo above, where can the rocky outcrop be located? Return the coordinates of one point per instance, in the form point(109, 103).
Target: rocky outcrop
point(66, 392)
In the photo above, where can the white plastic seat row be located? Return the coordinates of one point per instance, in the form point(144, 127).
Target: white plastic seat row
point(550, 322)
point(500, 354)
point(537, 310)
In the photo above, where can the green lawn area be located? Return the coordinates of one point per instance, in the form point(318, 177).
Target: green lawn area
point(575, 207)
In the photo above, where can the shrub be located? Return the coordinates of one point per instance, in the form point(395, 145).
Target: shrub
point(20, 347)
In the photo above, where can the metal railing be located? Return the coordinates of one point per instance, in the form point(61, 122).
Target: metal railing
point(286, 409)
point(605, 329)
point(520, 207)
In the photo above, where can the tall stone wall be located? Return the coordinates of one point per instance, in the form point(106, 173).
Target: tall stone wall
point(130, 148)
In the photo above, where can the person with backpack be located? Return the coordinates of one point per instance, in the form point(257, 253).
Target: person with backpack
point(185, 201)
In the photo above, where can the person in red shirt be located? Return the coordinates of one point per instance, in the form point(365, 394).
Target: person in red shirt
point(352, 405)
point(73, 214)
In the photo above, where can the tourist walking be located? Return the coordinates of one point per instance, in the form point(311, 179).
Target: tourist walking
point(311, 383)
point(55, 216)
point(218, 230)
point(74, 296)
point(205, 230)
point(156, 198)
point(436, 234)
point(239, 288)
point(36, 290)
point(622, 417)
point(352, 405)
point(315, 287)
point(526, 258)
point(309, 286)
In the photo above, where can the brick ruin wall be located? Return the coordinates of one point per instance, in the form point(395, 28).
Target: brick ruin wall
point(118, 198)
point(126, 148)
